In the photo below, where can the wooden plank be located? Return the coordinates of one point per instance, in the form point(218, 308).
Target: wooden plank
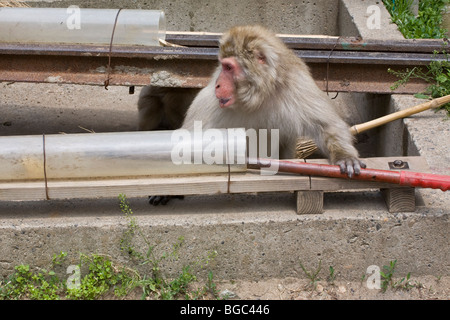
point(309, 202)
point(400, 199)
point(22, 191)
point(253, 181)
point(182, 185)
point(137, 187)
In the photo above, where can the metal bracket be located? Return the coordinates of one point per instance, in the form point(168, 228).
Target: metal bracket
point(398, 164)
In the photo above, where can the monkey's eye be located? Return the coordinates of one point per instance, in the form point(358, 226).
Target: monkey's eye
point(227, 67)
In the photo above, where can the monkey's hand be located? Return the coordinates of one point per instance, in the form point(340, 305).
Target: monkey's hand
point(156, 200)
point(351, 166)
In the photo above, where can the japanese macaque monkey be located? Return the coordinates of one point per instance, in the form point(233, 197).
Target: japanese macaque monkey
point(262, 84)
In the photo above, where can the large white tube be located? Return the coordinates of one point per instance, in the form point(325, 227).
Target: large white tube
point(128, 154)
point(81, 26)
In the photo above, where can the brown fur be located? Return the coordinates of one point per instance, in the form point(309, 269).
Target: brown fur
point(163, 108)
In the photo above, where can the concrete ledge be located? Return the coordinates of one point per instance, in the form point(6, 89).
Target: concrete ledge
point(256, 236)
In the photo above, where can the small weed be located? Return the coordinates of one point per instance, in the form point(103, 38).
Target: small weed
point(363, 278)
point(312, 275)
point(332, 276)
point(387, 275)
point(437, 75)
point(388, 281)
point(211, 285)
point(58, 259)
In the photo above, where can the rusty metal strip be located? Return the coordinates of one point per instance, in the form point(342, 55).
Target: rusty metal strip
point(324, 43)
point(349, 70)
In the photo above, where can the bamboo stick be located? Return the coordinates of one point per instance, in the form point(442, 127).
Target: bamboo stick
point(435, 103)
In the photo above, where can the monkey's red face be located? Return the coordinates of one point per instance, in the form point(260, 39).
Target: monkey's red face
point(225, 83)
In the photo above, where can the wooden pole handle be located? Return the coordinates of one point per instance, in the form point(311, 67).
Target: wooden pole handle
point(400, 114)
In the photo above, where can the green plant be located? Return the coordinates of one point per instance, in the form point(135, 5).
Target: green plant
point(58, 259)
point(427, 24)
point(437, 75)
point(165, 289)
point(332, 276)
point(103, 276)
point(126, 240)
point(25, 284)
point(404, 283)
point(387, 275)
point(312, 275)
point(211, 285)
point(388, 280)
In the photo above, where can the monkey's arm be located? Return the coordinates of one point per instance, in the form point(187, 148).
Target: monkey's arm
point(338, 142)
point(332, 135)
point(343, 154)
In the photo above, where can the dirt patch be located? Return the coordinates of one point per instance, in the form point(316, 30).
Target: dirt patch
point(422, 288)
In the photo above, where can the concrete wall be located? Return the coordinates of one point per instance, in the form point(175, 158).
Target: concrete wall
point(355, 17)
point(283, 16)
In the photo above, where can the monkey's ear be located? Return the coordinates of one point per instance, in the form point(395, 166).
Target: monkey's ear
point(267, 55)
point(260, 57)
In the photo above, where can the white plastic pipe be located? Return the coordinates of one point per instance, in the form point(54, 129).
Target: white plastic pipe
point(82, 26)
point(127, 154)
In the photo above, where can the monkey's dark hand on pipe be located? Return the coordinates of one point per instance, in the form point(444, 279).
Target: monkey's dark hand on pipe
point(351, 166)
